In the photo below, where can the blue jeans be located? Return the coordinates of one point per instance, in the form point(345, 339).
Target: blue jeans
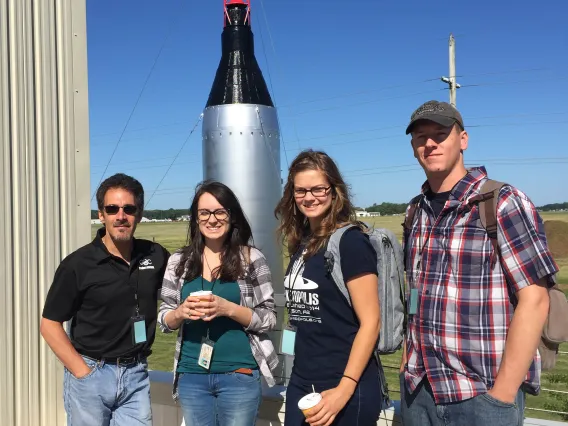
point(224, 399)
point(110, 395)
point(419, 409)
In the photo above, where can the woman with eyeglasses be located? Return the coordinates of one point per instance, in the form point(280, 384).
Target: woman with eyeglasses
point(334, 342)
point(222, 347)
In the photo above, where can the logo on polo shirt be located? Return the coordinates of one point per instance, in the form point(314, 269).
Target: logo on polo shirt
point(146, 264)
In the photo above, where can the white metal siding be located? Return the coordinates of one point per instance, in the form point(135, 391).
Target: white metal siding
point(44, 195)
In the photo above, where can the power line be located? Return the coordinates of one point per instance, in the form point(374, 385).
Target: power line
point(500, 72)
point(503, 83)
point(98, 135)
point(139, 97)
point(369, 139)
point(398, 86)
point(351, 142)
point(367, 102)
point(512, 162)
point(413, 167)
point(524, 123)
point(331, 135)
point(402, 135)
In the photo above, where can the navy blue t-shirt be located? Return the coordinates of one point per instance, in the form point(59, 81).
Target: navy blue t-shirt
point(326, 324)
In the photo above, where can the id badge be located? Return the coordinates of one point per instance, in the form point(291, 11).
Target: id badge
point(138, 329)
point(413, 301)
point(205, 353)
point(288, 340)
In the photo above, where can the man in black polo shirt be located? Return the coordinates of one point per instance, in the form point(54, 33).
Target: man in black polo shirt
point(109, 291)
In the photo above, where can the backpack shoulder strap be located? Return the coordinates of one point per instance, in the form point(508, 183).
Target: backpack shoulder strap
point(409, 218)
point(407, 224)
point(332, 258)
point(487, 198)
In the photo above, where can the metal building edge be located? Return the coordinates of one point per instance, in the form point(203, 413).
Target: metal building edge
point(44, 196)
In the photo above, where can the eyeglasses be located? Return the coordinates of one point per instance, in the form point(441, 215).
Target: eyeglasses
point(128, 209)
point(203, 215)
point(318, 191)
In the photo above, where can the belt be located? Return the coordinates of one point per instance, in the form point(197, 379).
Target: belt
point(123, 361)
point(246, 371)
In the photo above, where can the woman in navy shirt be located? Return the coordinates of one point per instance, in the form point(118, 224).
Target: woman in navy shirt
point(334, 343)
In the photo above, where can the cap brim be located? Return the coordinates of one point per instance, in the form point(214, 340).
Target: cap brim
point(442, 121)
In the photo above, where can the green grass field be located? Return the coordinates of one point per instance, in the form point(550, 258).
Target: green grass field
point(173, 235)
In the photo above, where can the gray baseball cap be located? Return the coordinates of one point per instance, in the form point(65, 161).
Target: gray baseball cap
point(439, 112)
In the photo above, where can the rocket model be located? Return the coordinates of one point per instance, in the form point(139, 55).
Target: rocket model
point(241, 136)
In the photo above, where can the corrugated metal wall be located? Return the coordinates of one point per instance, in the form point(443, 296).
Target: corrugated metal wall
point(44, 194)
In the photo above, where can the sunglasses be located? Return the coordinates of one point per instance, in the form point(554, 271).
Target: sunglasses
point(128, 209)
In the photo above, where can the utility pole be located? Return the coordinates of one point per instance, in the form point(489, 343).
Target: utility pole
point(451, 80)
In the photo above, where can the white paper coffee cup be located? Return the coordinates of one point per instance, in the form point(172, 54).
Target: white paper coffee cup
point(200, 293)
point(309, 401)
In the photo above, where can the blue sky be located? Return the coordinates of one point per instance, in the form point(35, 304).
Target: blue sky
point(345, 77)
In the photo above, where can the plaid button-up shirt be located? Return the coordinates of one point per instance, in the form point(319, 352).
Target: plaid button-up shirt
point(457, 336)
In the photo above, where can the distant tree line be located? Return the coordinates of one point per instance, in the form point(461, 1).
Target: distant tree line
point(555, 206)
point(384, 209)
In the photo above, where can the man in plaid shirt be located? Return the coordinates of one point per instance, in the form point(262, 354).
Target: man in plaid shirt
point(469, 353)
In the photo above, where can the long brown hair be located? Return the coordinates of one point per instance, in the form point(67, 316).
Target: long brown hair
point(294, 226)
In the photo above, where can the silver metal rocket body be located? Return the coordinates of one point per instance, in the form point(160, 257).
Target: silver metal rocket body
point(241, 136)
point(241, 148)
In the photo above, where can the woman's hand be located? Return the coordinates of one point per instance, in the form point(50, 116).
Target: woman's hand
point(333, 401)
point(213, 306)
point(187, 310)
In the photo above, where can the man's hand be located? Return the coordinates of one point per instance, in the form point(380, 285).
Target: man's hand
point(522, 340)
point(83, 372)
point(58, 341)
point(503, 397)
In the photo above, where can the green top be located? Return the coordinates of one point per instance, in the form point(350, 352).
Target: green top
point(232, 348)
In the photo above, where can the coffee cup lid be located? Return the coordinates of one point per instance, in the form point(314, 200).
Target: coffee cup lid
point(200, 293)
point(309, 401)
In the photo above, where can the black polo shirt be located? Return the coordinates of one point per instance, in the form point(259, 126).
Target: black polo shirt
point(97, 291)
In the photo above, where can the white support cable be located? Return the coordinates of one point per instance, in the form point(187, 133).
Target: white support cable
point(144, 85)
point(175, 158)
point(270, 77)
point(276, 167)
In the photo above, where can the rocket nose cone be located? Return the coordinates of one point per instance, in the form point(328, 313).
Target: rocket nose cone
point(239, 79)
point(237, 13)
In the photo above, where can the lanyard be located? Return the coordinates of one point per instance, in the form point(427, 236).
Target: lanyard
point(211, 272)
point(212, 284)
point(136, 292)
